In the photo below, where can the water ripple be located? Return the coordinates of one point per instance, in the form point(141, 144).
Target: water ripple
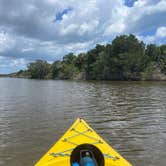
point(131, 116)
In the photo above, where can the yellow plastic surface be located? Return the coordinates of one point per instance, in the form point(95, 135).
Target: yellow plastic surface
point(59, 154)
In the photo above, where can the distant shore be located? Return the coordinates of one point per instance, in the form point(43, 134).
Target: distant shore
point(126, 58)
point(159, 77)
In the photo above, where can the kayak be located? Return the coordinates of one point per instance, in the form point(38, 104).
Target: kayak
point(80, 145)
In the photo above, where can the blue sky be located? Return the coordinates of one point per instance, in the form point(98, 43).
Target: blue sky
point(49, 29)
point(59, 15)
point(129, 3)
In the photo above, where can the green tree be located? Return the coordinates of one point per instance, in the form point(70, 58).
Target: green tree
point(127, 58)
point(101, 67)
point(153, 52)
point(163, 58)
point(69, 58)
point(56, 68)
point(90, 59)
point(80, 61)
point(68, 71)
point(38, 69)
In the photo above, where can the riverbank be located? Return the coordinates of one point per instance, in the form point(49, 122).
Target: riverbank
point(153, 76)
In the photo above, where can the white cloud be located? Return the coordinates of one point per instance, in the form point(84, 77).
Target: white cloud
point(158, 37)
point(143, 3)
point(6, 41)
point(115, 29)
point(9, 65)
point(28, 29)
point(161, 32)
point(151, 14)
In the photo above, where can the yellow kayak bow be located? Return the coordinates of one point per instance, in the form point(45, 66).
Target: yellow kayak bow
point(77, 139)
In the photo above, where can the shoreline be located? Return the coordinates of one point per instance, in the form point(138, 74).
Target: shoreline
point(75, 79)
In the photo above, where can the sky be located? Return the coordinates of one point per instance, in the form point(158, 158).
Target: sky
point(49, 29)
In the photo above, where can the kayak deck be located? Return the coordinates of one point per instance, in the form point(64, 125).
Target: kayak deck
point(80, 133)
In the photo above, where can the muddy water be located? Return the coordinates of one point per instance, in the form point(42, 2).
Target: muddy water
point(131, 116)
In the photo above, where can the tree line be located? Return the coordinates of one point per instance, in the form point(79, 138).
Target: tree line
point(126, 58)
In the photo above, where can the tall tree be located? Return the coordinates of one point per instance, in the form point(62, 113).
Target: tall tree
point(38, 69)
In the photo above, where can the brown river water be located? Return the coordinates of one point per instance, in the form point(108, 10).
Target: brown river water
point(131, 116)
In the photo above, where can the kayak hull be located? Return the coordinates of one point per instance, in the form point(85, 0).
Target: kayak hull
point(78, 134)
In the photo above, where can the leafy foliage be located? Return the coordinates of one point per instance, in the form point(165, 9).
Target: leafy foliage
point(126, 58)
point(38, 69)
